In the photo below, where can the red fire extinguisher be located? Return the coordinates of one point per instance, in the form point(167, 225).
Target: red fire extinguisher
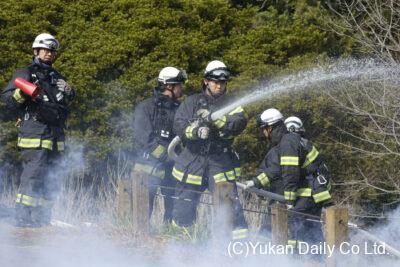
point(27, 87)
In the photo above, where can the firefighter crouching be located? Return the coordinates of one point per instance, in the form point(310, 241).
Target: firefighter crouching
point(268, 177)
point(303, 172)
point(208, 157)
point(153, 123)
point(41, 132)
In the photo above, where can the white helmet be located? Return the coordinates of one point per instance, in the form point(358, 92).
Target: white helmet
point(47, 41)
point(294, 124)
point(269, 117)
point(217, 71)
point(171, 75)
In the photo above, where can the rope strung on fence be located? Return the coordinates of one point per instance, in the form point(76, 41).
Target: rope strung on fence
point(182, 189)
point(184, 199)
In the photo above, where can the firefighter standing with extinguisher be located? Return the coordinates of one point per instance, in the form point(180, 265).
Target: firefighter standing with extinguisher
point(153, 122)
point(41, 136)
point(208, 157)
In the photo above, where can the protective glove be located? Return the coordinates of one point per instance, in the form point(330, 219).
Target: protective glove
point(203, 132)
point(249, 184)
point(289, 206)
point(204, 114)
point(63, 86)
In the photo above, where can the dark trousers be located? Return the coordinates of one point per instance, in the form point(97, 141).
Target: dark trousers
point(304, 230)
point(167, 188)
point(38, 187)
point(188, 197)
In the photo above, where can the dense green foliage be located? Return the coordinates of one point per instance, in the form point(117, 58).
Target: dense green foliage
point(112, 51)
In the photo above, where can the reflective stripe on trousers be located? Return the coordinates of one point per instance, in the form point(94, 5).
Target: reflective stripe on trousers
point(197, 179)
point(148, 169)
point(240, 233)
point(322, 196)
point(37, 143)
point(32, 201)
point(191, 179)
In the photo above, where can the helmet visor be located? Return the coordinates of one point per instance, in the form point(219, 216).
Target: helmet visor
point(219, 74)
point(260, 123)
point(50, 44)
point(182, 76)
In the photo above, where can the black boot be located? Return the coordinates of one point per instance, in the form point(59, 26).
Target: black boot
point(41, 216)
point(23, 216)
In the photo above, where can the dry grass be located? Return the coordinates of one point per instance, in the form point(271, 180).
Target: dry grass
point(81, 205)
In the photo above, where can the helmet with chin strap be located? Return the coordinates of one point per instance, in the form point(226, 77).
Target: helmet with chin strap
point(269, 117)
point(216, 71)
point(171, 75)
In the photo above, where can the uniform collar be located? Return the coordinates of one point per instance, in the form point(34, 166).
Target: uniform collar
point(164, 101)
point(36, 61)
point(277, 133)
point(213, 100)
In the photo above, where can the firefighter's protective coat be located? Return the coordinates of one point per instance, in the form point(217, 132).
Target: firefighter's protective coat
point(40, 138)
point(204, 162)
point(153, 132)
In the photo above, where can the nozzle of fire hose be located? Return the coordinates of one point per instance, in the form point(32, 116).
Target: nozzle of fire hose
point(27, 87)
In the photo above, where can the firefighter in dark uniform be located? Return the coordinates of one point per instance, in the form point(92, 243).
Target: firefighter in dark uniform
point(303, 172)
point(269, 178)
point(153, 123)
point(41, 131)
point(317, 173)
point(208, 157)
point(269, 172)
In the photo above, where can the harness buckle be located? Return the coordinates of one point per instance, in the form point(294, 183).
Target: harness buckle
point(321, 179)
point(164, 133)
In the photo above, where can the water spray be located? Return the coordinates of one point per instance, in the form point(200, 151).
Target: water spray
point(345, 70)
point(374, 238)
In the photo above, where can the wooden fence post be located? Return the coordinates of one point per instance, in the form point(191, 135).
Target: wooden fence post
point(336, 231)
point(279, 223)
point(222, 211)
point(124, 200)
point(140, 203)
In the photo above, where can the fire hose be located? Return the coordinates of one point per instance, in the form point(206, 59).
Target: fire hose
point(172, 155)
point(261, 192)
